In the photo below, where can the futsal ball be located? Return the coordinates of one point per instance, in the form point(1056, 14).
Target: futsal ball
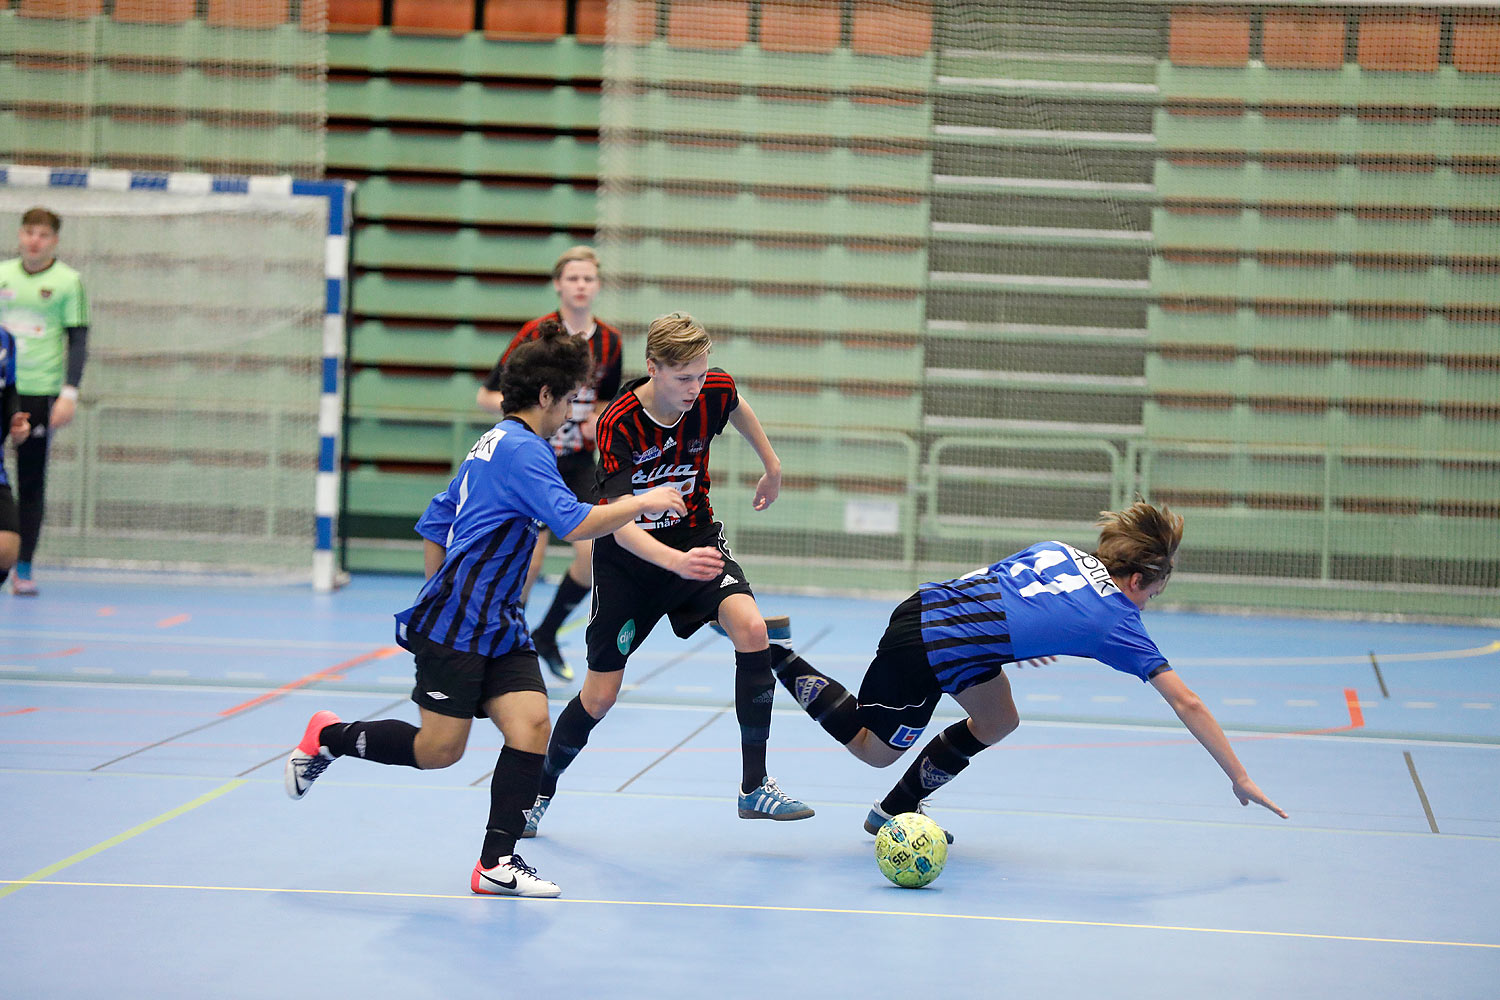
point(911, 850)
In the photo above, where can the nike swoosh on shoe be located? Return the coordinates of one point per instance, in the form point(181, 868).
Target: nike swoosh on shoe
point(504, 885)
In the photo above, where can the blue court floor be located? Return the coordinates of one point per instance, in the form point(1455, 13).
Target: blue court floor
point(147, 848)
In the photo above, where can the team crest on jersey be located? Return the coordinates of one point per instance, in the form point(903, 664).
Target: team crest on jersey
point(696, 446)
point(808, 688)
point(906, 736)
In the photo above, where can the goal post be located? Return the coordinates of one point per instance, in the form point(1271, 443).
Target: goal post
point(208, 433)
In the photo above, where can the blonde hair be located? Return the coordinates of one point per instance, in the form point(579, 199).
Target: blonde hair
point(1139, 539)
point(675, 339)
point(580, 252)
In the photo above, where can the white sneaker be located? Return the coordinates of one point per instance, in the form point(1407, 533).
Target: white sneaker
point(510, 877)
point(309, 759)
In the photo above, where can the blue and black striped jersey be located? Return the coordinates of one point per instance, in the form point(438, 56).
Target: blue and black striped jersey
point(1047, 600)
point(487, 520)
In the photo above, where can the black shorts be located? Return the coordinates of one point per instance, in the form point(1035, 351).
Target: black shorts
point(9, 519)
point(578, 471)
point(900, 690)
point(458, 684)
point(631, 596)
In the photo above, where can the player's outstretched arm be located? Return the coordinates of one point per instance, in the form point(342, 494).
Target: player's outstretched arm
point(747, 423)
point(603, 519)
point(702, 563)
point(1205, 728)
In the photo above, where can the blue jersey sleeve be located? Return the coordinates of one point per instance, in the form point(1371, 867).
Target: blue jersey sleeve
point(537, 488)
point(1130, 650)
point(437, 520)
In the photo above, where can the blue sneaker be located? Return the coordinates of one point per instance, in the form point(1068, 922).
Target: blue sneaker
point(879, 817)
point(534, 815)
point(769, 802)
point(778, 630)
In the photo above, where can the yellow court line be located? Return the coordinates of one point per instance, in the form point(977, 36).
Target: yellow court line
point(119, 838)
point(796, 909)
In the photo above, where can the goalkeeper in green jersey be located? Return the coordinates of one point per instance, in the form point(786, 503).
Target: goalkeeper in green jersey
point(43, 305)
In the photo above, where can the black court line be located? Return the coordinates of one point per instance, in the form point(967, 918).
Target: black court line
point(1411, 767)
point(1376, 664)
point(282, 755)
point(712, 719)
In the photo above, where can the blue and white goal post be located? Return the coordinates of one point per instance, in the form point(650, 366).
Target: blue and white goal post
point(208, 435)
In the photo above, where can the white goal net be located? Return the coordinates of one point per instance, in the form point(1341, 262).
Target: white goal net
point(197, 444)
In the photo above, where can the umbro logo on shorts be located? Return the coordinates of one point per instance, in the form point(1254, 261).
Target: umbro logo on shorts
point(438, 695)
point(808, 688)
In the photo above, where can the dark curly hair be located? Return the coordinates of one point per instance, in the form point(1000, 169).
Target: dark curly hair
point(555, 359)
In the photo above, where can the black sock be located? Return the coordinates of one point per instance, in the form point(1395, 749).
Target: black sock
point(512, 791)
point(754, 691)
point(569, 736)
point(569, 593)
point(828, 702)
point(385, 741)
point(939, 763)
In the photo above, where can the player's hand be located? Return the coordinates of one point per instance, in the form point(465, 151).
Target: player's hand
point(1247, 792)
point(20, 426)
point(63, 409)
point(767, 490)
point(1037, 661)
point(664, 498)
point(702, 563)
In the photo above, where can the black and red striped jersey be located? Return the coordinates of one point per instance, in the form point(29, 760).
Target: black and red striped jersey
point(604, 351)
point(636, 453)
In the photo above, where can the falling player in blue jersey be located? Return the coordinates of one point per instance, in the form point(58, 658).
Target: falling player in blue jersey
point(467, 629)
point(16, 419)
point(954, 637)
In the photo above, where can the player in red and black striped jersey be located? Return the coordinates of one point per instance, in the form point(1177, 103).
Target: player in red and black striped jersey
point(575, 277)
point(658, 433)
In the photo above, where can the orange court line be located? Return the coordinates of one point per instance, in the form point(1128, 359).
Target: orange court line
point(105, 612)
point(329, 673)
point(1356, 714)
point(174, 620)
point(70, 651)
point(19, 711)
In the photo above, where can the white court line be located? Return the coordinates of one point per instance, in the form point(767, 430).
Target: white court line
point(94, 671)
point(1044, 697)
point(170, 673)
point(1301, 703)
point(245, 675)
point(1109, 698)
point(1419, 704)
point(17, 668)
point(1239, 701)
point(1479, 704)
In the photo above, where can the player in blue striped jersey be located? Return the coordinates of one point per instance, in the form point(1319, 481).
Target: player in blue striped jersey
point(955, 637)
point(15, 418)
point(467, 629)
